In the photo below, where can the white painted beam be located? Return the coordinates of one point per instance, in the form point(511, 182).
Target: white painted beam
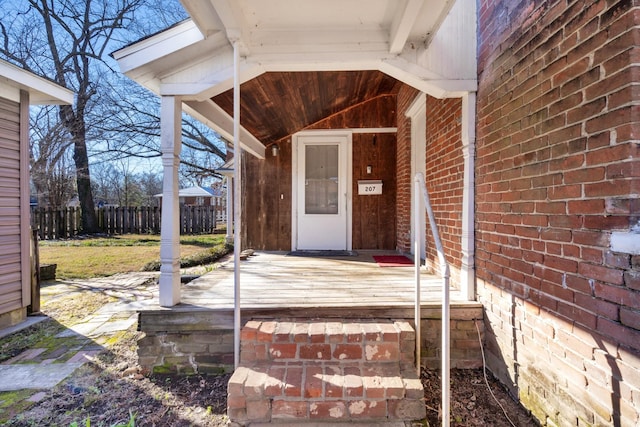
point(204, 15)
point(41, 91)
point(212, 84)
point(231, 14)
point(402, 24)
point(425, 80)
point(158, 46)
point(216, 118)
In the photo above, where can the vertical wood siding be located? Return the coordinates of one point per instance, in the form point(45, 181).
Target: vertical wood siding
point(267, 183)
point(374, 217)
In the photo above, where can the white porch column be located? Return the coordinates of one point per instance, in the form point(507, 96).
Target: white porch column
point(467, 273)
point(237, 201)
point(230, 190)
point(170, 140)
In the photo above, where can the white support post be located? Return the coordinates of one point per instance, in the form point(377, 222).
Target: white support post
point(237, 205)
point(446, 309)
point(467, 269)
point(229, 236)
point(170, 132)
point(417, 316)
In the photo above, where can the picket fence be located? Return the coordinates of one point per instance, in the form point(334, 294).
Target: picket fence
point(65, 223)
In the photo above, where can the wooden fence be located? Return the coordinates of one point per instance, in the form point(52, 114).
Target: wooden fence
point(64, 223)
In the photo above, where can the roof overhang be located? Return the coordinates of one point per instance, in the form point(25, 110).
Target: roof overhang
point(428, 44)
point(41, 91)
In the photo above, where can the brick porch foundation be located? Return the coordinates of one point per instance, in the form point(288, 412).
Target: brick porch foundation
point(325, 371)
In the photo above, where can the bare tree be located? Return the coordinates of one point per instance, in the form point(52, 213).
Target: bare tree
point(67, 41)
point(134, 130)
point(52, 177)
point(113, 118)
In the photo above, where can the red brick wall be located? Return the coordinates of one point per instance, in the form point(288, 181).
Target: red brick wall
point(406, 95)
point(557, 170)
point(444, 178)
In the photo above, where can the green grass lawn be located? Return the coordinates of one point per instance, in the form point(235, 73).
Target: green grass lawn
point(104, 256)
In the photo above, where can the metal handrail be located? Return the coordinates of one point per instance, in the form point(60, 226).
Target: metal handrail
point(420, 186)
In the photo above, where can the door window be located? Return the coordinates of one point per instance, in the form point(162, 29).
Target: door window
point(321, 179)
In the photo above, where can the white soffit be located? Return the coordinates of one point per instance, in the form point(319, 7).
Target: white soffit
point(428, 44)
point(41, 91)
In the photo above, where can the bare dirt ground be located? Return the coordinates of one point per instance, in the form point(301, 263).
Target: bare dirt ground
point(111, 390)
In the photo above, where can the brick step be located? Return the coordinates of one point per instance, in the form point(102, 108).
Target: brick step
point(307, 340)
point(314, 372)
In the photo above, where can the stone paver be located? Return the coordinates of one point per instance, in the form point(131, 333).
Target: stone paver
point(34, 376)
point(40, 368)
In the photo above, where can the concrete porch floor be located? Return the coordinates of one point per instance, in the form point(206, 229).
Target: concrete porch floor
point(276, 279)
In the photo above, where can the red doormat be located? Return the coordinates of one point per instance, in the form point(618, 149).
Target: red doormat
point(392, 260)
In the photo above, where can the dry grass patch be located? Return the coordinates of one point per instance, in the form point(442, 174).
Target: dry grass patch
point(104, 256)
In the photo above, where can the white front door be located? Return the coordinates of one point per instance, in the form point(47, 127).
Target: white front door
point(321, 193)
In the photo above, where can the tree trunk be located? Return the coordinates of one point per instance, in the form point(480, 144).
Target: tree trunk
point(75, 124)
point(83, 182)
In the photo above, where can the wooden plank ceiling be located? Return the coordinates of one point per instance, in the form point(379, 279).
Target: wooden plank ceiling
point(277, 104)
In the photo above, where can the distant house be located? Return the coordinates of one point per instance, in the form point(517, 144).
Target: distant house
point(197, 196)
point(18, 90)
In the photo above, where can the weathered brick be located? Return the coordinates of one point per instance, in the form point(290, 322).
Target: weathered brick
point(265, 332)
point(249, 330)
point(275, 380)
point(283, 350)
point(381, 352)
point(313, 383)
point(300, 332)
point(315, 351)
point(630, 317)
point(286, 409)
point(353, 386)
point(293, 385)
point(373, 384)
point(367, 409)
point(283, 332)
point(404, 409)
point(254, 383)
point(259, 410)
point(347, 352)
point(317, 332)
point(353, 332)
point(236, 402)
point(334, 381)
point(328, 410)
point(235, 387)
point(335, 332)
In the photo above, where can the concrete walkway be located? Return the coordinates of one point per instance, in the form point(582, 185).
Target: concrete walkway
point(44, 368)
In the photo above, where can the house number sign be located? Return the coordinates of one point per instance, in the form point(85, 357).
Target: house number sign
point(369, 187)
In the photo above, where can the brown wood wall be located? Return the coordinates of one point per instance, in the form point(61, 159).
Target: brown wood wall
point(374, 216)
point(10, 272)
point(267, 183)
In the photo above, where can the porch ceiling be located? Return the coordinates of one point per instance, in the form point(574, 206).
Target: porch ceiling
point(274, 105)
point(428, 44)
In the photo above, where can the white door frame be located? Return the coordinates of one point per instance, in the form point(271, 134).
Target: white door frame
point(294, 180)
point(417, 112)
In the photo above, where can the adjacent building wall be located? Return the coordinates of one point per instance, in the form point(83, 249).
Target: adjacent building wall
point(14, 285)
point(558, 174)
